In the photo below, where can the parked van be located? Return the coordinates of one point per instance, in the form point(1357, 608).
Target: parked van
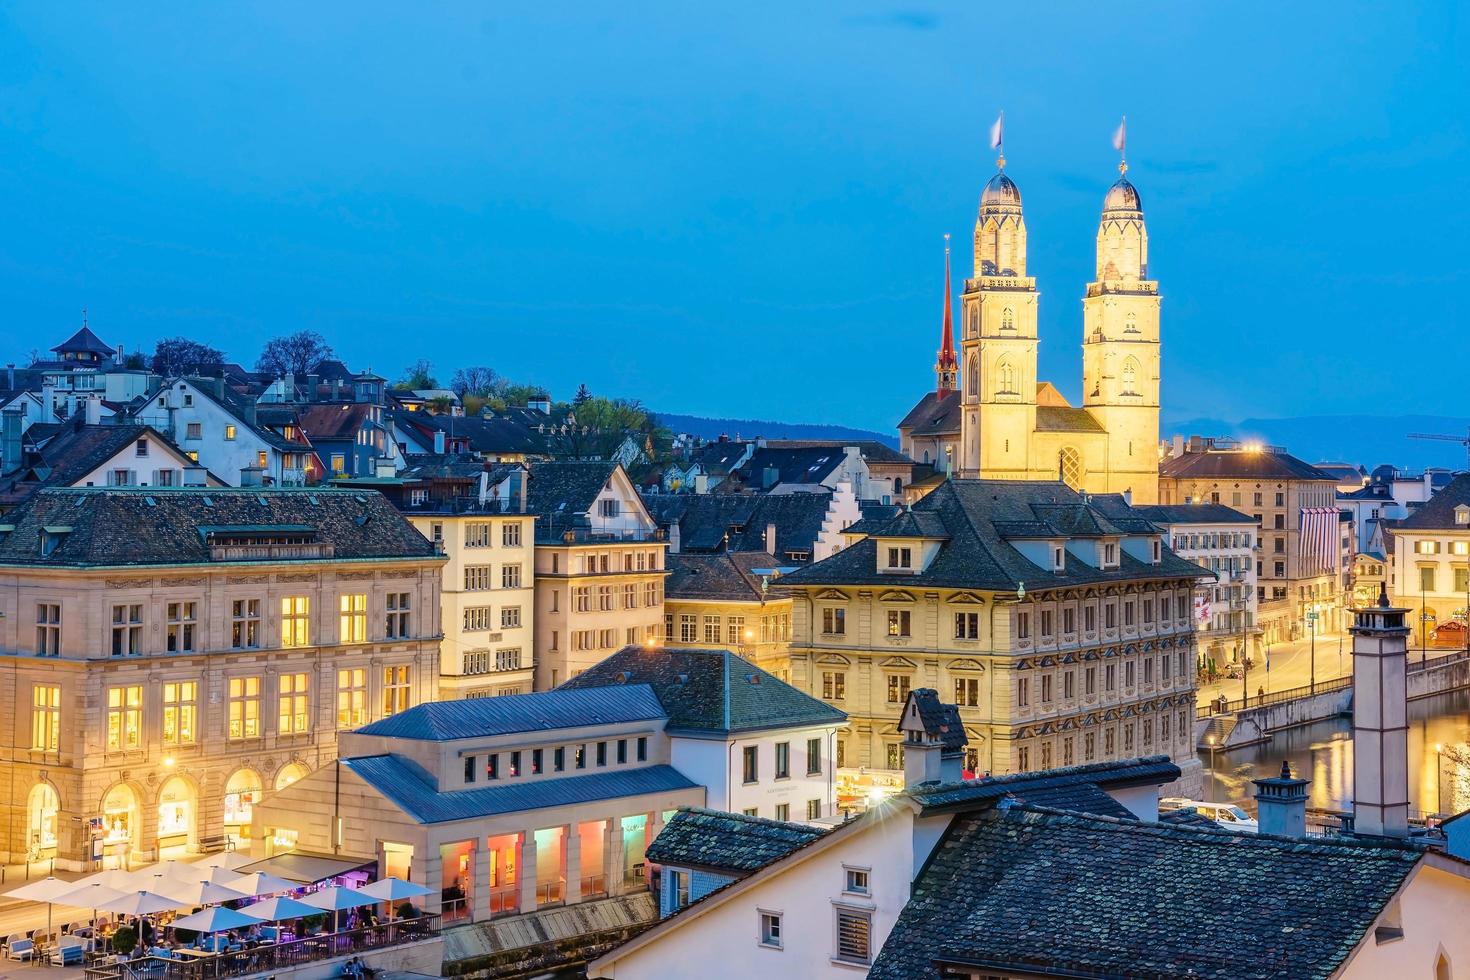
point(1227, 815)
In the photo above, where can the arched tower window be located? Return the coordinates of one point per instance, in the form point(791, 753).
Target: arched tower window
point(1005, 378)
point(972, 377)
point(1007, 319)
point(1130, 323)
point(1130, 376)
point(1071, 467)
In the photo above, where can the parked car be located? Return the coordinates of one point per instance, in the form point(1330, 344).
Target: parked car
point(1227, 815)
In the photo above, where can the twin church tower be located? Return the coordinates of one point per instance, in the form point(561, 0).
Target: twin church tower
point(991, 417)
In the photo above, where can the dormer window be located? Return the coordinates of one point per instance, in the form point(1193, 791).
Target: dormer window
point(1462, 514)
point(1058, 558)
point(1158, 552)
point(900, 558)
point(1110, 555)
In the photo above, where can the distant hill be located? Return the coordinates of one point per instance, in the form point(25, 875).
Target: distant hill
point(750, 428)
point(1366, 439)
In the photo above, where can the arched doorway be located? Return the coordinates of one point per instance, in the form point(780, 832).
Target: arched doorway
point(242, 791)
point(289, 774)
point(43, 809)
point(178, 817)
point(119, 828)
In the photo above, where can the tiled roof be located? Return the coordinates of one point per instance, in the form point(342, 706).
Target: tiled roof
point(543, 711)
point(710, 691)
point(1265, 464)
point(806, 465)
point(160, 526)
point(934, 415)
point(940, 720)
point(447, 466)
point(912, 524)
point(718, 458)
point(413, 792)
point(700, 838)
point(1056, 418)
point(737, 522)
point(1193, 514)
point(76, 450)
point(726, 575)
point(1024, 889)
point(871, 450)
point(1439, 512)
point(980, 516)
point(564, 489)
point(84, 341)
point(335, 421)
point(1150, 770)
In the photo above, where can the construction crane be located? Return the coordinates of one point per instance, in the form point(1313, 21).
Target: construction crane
point(1462, 440)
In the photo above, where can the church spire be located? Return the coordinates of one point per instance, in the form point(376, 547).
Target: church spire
point(946, 365)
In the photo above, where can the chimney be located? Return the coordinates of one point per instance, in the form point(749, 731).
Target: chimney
point(312, 382)
point(122, 355)
point(10, 377)
point(219, 387)
point(770, 476)
point(384, 469)
point(336, 389)
point(10, 452)
point(1128, 496)
point(93, 409)
point(701, 483)
point(674, 535)
point(439, 441)
point(252, 476)
point(771, 537)
point(1281, 804)
point(48, 402)
point(194, 475)
point(1380, 720)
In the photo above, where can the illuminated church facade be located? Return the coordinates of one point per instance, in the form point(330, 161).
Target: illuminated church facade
point(990, 416)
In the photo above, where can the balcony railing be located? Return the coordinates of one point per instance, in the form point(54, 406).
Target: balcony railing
point(594, 886)
point(549, 892)
point(505, 899)
point(269, 552)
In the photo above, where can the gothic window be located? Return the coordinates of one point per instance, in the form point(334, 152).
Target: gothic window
point(974, 320)
point(1130, 324)
point(1130, 376)
point(1005, 378)
point(1071, 468)
point(972, 377)
point(1007, 319)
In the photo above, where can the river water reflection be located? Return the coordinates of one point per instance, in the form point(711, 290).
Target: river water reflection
point(1323, 753)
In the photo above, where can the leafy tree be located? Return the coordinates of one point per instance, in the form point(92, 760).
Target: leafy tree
point(174, 356)
point(420, 374)
point(475, 380)
point(441, 404)
point(297, 353)
point(603, 423)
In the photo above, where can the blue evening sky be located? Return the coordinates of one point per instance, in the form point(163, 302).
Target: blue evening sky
point(737, 209)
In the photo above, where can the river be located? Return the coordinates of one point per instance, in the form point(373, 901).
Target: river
point(1323, 753)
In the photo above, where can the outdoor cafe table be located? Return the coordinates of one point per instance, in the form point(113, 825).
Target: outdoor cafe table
point(190, 951)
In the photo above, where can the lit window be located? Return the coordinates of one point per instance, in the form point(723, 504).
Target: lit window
point(180, 712)
point(293, 717)
point(295, 617)
point(395, 689)
point(351, 698)
point(244, 707)
point(46, 717)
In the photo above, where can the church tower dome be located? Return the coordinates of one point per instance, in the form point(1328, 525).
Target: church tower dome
point(1122, 196)
point(1000, 190)
point(1000, 228)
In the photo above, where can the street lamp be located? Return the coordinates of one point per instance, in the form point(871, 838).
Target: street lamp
point(1438, 758)
point(1312, 627)
point(1210, 739)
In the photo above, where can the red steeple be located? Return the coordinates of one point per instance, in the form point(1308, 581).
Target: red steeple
point(946, 366)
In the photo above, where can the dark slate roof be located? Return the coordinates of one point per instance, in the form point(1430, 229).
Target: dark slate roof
point(1065, 418)
point(567, 488)
point(912, 524)
point(543, 711)
point(1239, 464)
point(1343, 472)
point(710, 691)
point(940, 720)
point(159, 526)
point(1438, 513)
point(1193, 514)
point(413, 792)
point(1051, 784)
point(1025, 889)
point(737, 522)
point(76, 450)
point(934, 415)
point(84, 341)
point(871, 450)
point(335, 421)
point(809, 464)
point(700, 838)
point(447, 466)
point(718, 458)
point(980, 515)
point(726, 575)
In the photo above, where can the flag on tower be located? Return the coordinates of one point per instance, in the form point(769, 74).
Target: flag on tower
point(1120, 138)
point(997, 131)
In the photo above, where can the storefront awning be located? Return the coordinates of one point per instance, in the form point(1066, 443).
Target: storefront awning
point(308, 868)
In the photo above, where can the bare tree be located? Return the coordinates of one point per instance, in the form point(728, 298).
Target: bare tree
point(297, 353)
point(174, 356)
point(477, 380)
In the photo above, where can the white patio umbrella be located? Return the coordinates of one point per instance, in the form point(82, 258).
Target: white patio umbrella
point(229, 860)
point(92, 896)
point(46, 890)
point(279, 909)
point(178, 870)
point(112, 878)
point(141, 903)
point(392, 890)
point(201, 892)
point(336, 899)
point(216, 919)
point(262, 883)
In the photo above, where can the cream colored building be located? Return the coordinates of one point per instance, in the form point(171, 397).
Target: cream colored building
point(1430, 566)
point(998, 419)
point(1061, 625)
point(599, 575)
point(172, 656)
point(725, 601)
point(1298, 574)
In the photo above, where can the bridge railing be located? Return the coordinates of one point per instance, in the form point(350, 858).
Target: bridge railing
point(1225, 706)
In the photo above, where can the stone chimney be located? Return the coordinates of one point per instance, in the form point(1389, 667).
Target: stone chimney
point(701, 483)
point(384, 468)
point(252, 476)
point(933, 739)
point(194, 475)
point(1380, 720)
point(10, 451)
point(771, 537)
point(48, 402)
point(674, 534)
point(93, 409)
point(1281, 804)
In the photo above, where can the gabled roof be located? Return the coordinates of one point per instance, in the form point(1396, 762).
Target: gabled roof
point(934, 415)
point(1056, 418)
point(543, 711)
point(982, 519)
point(566, 488)
point(1439, 512)
point(804, 465)
point(1023, 889)
point(728, 575)
point(738, 522)
point(413, 792)
point(937, 720)
point(730, 842)
point(1051, 784)
point(163, 526)
point(84, 341)
point(710, 692)
point(78, 449)
point(1240, 464)
point(1201, 513)
point(718, 458)
point(335, 421)
point(871, 450)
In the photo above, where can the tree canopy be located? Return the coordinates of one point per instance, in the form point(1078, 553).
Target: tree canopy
point(174, 356)
point(298, 353)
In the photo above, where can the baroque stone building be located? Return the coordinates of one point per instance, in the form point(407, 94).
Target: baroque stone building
point(1061, 625)
point(991, 417)
point(171, 655)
